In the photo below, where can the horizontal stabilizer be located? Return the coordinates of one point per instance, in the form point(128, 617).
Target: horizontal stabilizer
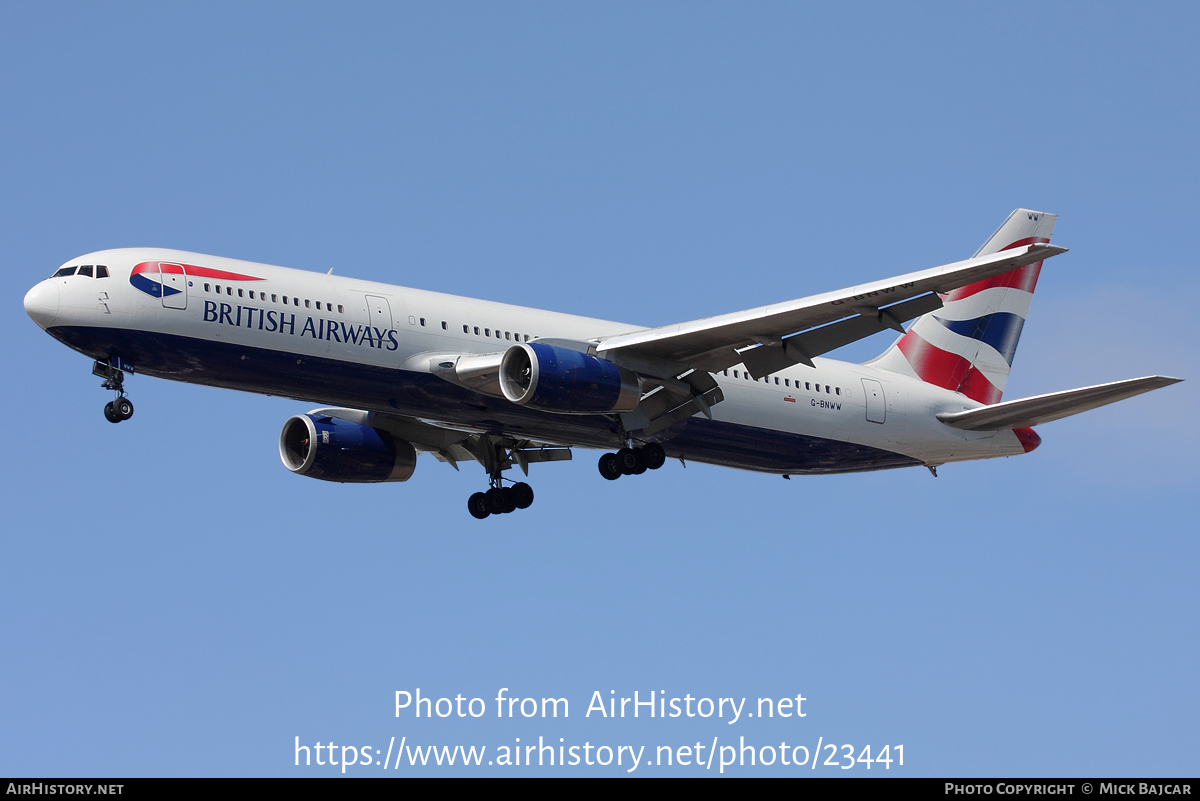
point(1044, 408)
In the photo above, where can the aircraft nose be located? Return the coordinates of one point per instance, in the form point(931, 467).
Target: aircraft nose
point(41, 303)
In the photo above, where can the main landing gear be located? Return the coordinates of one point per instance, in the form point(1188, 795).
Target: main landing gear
point(632, 461)
point(500, 500)
point(120, 408)
point(498, 454)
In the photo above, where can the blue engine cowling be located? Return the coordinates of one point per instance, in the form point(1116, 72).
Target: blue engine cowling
point(333, 449)
point(566, 381)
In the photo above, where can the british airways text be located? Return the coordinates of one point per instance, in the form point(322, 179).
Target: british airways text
point(285, 323)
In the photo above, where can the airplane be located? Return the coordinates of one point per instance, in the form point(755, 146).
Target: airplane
point(399, 371)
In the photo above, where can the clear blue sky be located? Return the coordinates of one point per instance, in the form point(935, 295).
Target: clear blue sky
point(176, 603)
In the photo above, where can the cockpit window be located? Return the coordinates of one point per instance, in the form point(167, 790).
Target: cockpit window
point(101, 271)
point(85, 270)
point(64, 271)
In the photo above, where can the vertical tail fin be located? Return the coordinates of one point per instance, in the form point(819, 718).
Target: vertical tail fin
point(968, 344)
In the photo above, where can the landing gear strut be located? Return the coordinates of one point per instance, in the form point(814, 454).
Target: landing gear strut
point(632, 461)
point(120, 408)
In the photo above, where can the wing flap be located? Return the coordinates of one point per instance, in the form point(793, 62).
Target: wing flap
point(801, 348)
point(1053, 406)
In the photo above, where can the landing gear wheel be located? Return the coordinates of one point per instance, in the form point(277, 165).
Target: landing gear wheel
point(497, 504)
point(110, 414)
point(610, 466)
point(522, 495)
point(477, 505)
point(123, 407)
point(510, 503)
point(628, 460)
point(654, 456)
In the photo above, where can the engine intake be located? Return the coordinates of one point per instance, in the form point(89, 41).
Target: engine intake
point(333, 449)
point(566, 381)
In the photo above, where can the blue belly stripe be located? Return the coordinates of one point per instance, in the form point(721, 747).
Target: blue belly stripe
point(362, 386)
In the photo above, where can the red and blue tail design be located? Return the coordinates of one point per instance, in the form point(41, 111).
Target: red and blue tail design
point(147, 276)
point(968, 345)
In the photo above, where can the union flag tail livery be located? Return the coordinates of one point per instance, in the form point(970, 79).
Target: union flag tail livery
point(968, 345)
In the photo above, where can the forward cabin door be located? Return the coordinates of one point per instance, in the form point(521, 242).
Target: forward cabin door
point(174, 286)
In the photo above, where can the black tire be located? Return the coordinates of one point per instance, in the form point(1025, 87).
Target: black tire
point(610, 468)
point(510, 502)
point(496, 502)
point(477, 506)
point(654, 455)
point(110, 414)
point(628, 460)
point(522, 495)
point(124, 408)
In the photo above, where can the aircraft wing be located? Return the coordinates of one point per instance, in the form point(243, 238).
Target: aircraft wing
point(794, 332)
point(453, 445)
point(1053, 406)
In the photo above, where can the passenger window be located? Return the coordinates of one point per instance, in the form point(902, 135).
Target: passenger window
point(274, 298)
point(466, 330)
point(506, 336)
point(228, 290)
point(206, 289)
point(444, 325)
point(218, 289)
point(735, 374)
point(86, 270)
point(787, 382)
point(527, 337)
point(487, 332)
point(422, 321)
point(807, 385)
point(101, 271)
point(826, 389)
point(838, 390)
point(476, 330)
point(251, 294)
point(339, 308)
point(240, 295)
point(307, 303)
point(776, 380)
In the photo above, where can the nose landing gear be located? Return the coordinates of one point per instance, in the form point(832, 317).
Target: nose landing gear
point(120, 408)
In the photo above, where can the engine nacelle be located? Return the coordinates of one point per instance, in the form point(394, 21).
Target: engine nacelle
point(566, 381)
point(333, 449)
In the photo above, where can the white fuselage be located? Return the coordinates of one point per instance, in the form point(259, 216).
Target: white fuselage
point(370, 345)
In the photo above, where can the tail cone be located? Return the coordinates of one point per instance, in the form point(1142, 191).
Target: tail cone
point(1028, 437)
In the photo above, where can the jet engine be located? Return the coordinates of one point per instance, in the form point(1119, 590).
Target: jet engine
point(333, 449)
point(565, 381)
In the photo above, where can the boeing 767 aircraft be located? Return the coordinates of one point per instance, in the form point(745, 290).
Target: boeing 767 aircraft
point(398, 371)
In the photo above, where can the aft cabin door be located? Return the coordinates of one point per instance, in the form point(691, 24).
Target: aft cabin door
point(174, 286)
point(876, 408)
